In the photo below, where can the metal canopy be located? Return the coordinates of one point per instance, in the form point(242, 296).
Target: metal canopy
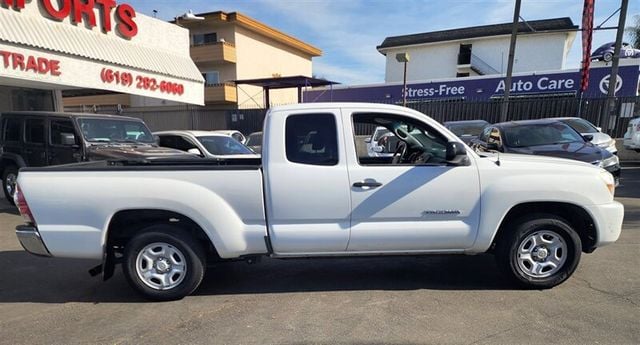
point(297, 82)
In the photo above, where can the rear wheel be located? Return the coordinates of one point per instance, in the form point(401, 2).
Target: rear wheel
point(163, 263)
point(539, 251)
point(9, 183)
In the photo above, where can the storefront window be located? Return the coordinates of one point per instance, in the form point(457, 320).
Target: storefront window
point(22, 99)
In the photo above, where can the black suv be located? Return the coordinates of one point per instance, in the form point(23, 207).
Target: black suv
point(36, 139)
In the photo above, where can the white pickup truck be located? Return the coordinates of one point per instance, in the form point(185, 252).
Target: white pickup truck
point(313, 195)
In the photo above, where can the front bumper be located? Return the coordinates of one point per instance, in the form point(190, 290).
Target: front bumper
point(31, 241)
point(608, 221)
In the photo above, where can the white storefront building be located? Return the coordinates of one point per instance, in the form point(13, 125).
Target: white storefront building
point(47, 46)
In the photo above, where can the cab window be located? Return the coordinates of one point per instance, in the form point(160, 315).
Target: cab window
point(34, 131)
point(408, 141)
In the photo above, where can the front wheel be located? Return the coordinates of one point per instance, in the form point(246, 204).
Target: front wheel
point(540, 251)
point(9, 183)
point(163, 263)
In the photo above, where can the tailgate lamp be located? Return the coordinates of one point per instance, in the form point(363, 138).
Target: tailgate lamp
point(23, 207)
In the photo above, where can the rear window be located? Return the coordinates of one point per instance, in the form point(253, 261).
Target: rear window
point(312, 139)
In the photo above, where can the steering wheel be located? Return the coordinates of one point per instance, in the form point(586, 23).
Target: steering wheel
point(405, 136)
point(401, 151)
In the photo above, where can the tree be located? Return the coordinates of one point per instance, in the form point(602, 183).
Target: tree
point(634, 32)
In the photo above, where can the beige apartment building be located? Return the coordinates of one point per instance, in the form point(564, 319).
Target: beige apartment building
point(227, 47)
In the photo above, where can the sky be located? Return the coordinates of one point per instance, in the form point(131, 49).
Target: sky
point(348, 31)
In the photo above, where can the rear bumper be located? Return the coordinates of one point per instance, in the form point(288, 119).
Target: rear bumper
point(31, 241)
point(608, 220)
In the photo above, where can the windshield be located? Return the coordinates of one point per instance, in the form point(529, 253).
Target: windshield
point(582, 126)
point(115, 131)
point(467, 128)
point(540, 134)
point(224, 146)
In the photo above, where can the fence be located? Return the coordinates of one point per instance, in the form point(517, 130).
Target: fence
point(251, 120)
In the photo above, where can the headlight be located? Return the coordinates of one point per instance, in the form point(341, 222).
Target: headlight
point(607, 144)
point(611, 161)
point(609, 181)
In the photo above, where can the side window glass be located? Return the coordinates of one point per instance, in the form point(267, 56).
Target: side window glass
point(184, 144)
point(168, 141)
point(312, 139)
point(63, 133)
point(13, 130)
point(34, 131)
point(404, 141)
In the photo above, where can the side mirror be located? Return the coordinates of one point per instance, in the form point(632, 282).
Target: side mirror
point(588, 137)
point(195, 151)
point(368, 140)
point(456, 153)
point(68, 139)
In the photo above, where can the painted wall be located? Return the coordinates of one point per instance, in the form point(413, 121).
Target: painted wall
point(534, 53)
point(261, 57)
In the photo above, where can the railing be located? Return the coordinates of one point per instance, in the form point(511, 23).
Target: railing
point(214, 52)
point(220, 93)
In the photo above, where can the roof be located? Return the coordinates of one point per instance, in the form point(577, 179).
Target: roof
point(53, 113)
point(286, 82)
point(193, 133)
point(526, 123)
point(556, 24)
point(261, 28)
point(68, 39)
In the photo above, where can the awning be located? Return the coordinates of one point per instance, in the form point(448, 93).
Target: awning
point(92, 52)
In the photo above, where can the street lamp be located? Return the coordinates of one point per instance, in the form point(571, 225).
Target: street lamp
point(404, 58)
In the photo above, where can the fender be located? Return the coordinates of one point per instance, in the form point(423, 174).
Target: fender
point(11, 158)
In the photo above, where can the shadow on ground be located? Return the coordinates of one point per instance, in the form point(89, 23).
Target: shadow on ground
point(39, 280)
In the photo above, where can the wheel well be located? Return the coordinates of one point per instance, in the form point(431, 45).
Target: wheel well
point(125, 225)
point(4, 163)
point(577, 217)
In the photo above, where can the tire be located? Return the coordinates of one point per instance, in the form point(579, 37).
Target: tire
point(607, 57)
point(163, 263)
point(9, 178)
point(551, 251)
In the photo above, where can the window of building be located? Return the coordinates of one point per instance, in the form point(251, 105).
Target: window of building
point(61, 129)
point(312, 139)
point(12, 129)
point(462, 75)
point(211, 78)
point(202, 39)
point(34, 131)
point(464, 56)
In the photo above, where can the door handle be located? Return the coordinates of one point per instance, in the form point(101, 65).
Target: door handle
point(371, 184)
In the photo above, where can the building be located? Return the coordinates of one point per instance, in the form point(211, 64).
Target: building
point(543, 45)
point(228, 47)
point(47, 48)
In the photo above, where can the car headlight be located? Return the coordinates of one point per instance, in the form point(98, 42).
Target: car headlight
point(611, 161)
point(609, 181)
point(607, 144)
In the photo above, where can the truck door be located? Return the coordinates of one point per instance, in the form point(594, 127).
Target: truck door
point(34, 150)
point(412, 202)
point(306, 183)
point(64, 142)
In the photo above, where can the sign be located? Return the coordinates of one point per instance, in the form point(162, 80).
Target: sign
point(485, 88)
point(84, 12)
point(30, 63)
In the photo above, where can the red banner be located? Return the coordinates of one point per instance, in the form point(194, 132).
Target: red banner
point(587, 39)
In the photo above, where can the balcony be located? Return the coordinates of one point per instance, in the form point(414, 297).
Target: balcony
point(219, 52)
point(220, 93)
point(476, 64)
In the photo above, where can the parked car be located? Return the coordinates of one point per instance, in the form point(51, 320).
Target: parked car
point(632, 136)
point(375, 148)
point(588, 130)
point(208, 144)
point(254, 142)
point(606, 52)
point(237, 135)
point(36, 139)
point(319, 198)
point(466, 130)
point(547, 137)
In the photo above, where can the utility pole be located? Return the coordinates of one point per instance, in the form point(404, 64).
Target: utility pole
point(613, 80)
point(512, 56)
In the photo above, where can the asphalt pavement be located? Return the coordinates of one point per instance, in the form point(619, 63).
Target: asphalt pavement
point(424, 300)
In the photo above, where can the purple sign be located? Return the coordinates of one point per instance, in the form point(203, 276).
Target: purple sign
point(487, 88)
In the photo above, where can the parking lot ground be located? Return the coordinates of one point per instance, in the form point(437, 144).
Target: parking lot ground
point(437, 300)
